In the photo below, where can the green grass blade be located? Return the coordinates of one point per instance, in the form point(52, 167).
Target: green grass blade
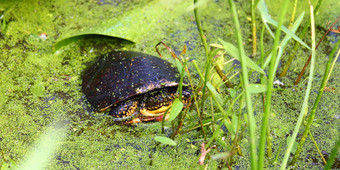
point(165, 140)
point(213, 91)
point(176, 108)
point(317, 100)
point(288, 32)
point(296, 46)
point(305, 102)
point(285, 41)
point(199, 27)
point(45, 148)
point(263, 9)
point(271, 75)
point(333, 155)
point(268, 19)
point(243, 60)
point(234, 52)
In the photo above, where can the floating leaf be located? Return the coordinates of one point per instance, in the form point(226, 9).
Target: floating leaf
point(257, 88)
point(133, 25)
point(295, 144)
point(176, 108)
point(165, 140)
point(222, 155)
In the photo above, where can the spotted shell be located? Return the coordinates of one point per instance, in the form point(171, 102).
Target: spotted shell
point(120, 75)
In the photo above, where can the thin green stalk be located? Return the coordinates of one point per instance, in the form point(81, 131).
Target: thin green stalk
point(293, 14)
point(207, 64)
point(212, 95)
point(278, 150)
point(180, 85)
point(269, 138)
point(199, 27)
point(333, 155)
point(317, 100)
point(317, 148)
point(251, 119)
point(212, 115)
point(200, 115)
point(262, 52)
point(269, 148)
point(262, 78)
point(225, 116)
point(253, 21)
point(271, 76)
point(305, 102)
point(269, 143)
point(180, 88)
point(336, 59)
point(205, 79)
point(163, 120)
point(297, 44)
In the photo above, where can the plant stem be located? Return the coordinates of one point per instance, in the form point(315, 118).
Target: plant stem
point(199, 27)
point(293, 14)
point(251, 119)
point(198, 112)
point(253, 21)
point(271, 75)
point(307, 63)
point(333, 155)
point(223, 77)
point(317, 148)
point(305, 102)
point(297, 44)
point(317, 100)
point(278, 150)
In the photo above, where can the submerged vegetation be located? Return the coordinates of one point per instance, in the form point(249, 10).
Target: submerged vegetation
point(250, 108)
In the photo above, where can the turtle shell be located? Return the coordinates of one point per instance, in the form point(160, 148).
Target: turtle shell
point(117, 76)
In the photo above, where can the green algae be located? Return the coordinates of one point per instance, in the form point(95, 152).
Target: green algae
point(39, 87)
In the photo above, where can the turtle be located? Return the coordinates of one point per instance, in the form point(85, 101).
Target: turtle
point(132, 87)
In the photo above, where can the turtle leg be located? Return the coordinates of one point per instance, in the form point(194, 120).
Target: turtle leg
point(124, 111)
point(186, 96)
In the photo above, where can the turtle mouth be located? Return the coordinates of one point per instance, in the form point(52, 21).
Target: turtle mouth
point(152, 113)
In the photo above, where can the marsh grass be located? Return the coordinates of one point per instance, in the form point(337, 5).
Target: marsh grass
point(269, 62)
point(272, 59)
